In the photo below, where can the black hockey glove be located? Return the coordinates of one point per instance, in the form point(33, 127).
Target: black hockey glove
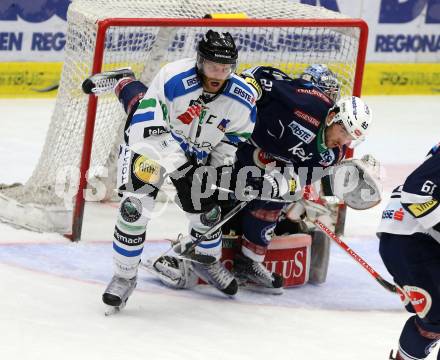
point(193, 183)
point(263, 187)
point(267, 186)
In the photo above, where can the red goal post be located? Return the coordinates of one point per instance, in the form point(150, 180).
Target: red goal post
point(289, 44)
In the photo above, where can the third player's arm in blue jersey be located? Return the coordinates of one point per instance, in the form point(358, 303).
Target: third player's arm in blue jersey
point(421, 191)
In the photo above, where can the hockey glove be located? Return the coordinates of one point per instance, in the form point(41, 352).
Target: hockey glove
point(357, 182)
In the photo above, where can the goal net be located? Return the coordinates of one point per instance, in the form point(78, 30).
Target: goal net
point(108, 34)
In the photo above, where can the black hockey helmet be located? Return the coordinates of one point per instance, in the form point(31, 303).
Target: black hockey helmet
point(218, 47)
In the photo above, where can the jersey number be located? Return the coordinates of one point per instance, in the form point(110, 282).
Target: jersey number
point(428, 187)
point(266, 84)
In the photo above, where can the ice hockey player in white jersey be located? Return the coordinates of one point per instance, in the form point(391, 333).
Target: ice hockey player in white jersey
point(409, 236)
point(194, 113)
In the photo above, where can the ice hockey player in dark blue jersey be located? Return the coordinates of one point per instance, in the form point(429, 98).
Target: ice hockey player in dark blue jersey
point(409, 236)
point(300, 127)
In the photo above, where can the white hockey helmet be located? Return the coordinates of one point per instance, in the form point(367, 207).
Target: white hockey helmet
point(355, 115)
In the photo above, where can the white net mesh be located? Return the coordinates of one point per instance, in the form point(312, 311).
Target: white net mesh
point(51, 188)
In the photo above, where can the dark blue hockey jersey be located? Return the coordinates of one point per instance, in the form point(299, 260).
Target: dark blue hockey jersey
point(290, 119)
point(415, 206)
point(421, 191)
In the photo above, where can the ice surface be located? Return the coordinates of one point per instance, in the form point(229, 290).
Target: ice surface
point(51, 288)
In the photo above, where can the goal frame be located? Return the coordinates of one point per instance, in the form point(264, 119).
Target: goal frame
point(102, 27)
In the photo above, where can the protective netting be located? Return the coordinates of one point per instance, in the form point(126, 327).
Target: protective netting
point(52, 187)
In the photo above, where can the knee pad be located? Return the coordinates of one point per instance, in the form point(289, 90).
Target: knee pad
point(211, 217)
point(129, 233)
point(202, 222)
point(259, 222)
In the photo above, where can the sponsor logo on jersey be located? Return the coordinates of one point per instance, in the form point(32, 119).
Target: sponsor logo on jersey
point(243, 94)
point(154, 130)
point(306, 117)
point(298, 151)
point(389, 214)
point(327, 157)
point(223, 124)
point(190, 81)
point(399, 215)
point(301, 132)
point(421, 209)
point(146, 170)
point(315, 93)
point(420, 299)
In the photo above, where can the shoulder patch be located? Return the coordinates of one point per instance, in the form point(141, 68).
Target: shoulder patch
point(255, 85)
point(422, 209)
point(242, 94)
point(190, 81)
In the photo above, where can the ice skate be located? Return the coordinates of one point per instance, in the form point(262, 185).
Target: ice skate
point(218, 276)
point(254, 276)
point(117, 293)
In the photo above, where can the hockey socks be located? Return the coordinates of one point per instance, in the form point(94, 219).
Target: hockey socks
point(416, 342)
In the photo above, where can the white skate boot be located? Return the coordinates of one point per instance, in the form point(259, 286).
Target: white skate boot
point(117, 293)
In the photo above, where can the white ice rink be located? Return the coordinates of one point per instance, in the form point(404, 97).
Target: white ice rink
point(50, 296)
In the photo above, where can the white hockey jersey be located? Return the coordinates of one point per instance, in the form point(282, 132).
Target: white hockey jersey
point(397, 220)
point(173, 114)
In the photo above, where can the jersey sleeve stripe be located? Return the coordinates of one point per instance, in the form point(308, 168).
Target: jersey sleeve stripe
point(410, 198)
point(147, 103)
point(137, 118)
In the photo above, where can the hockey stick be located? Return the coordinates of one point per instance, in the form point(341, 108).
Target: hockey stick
point(190, 246)
point(187, 252)
point(390, 287)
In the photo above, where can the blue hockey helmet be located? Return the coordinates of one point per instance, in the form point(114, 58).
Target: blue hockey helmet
point(324, 79)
